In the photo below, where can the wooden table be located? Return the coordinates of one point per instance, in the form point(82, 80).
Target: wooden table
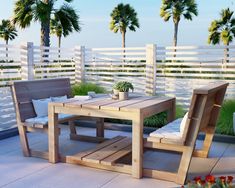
point(135, 109)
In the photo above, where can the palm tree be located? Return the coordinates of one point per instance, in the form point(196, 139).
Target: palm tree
point(58, 30)
point(123, 17)
point(7, 32)
point(223, 30)
point(176, 9)
point(26, 11)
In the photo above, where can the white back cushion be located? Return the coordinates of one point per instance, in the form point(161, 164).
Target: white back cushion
point(59, 99)
point(82, 97)
point(183, 124)
point(41, 106)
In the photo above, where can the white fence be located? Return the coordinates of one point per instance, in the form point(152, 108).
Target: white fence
point(152, 69)
point(183, 68)
point(107, 66)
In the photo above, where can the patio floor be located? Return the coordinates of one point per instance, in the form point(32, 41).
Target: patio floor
point(18, 171)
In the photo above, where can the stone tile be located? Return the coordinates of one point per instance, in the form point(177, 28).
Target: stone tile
point(161, 160)
point(203, 166)
point(226, 164)
point(64, 175)
point(15, 166)
point(18, 171)
point(230, 151)
point(124, 180)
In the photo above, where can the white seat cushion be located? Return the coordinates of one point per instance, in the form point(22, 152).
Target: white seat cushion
point(44, 120)
point(174, 131)
point(171, 130)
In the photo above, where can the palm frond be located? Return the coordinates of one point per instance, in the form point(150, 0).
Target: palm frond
point(123, 17)
point(68, 18)
point(222, 29)
point(23, 12)
point(7, 30)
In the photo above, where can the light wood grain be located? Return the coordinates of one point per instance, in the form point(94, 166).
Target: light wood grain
point(98, 156)
point(203, 113)
point(83, 154)
point(116, 156)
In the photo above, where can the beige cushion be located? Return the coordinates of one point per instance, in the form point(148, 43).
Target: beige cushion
point(174, 131)
point(44, 120)
point(183, 123)
point(41, 106)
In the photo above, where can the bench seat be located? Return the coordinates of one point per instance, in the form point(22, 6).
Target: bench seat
point(28, 94)
point(40, 122)
point(168, 133)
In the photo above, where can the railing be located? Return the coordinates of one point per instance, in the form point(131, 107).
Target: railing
point(181, 69)
point(10, 69)
point(105, 66)
point(152, 69)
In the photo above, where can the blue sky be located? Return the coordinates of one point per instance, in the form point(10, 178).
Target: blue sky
point(95, 18)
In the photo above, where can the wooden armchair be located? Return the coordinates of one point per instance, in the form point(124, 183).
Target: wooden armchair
point(202, 116)
point(23, 92)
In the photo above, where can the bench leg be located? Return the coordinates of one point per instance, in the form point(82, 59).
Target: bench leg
point(24, 140)
point(100, 127)
point(72, 127)
point(184, 166)
point(99, 132)
point(209, 133)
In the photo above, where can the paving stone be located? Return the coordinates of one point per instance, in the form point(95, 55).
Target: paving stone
point(18, 171)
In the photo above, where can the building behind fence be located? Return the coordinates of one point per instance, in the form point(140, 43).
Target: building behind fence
point(152, 69)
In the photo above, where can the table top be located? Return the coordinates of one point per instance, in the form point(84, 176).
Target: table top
point(134, 103)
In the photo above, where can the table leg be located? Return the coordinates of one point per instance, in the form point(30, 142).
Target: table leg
point(137, 147)
point(100, 127)
point(171, 111)
point(53, 137)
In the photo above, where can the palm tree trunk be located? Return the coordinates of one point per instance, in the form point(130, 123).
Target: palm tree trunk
point(123, 39)
point(45, 29)
point(45, 37)
point(226, 54)
point(45, 33)
point(176, 25)
point(6, 50)
point(123, 46)
point(45, 41)
point(59, 45)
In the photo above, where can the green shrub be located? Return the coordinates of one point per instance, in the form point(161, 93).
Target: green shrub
point(156, 121)
point(225, 120)
point(160, 119)
point(179, 112)
point(83, 88)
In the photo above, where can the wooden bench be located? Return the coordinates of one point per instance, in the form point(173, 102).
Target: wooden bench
point(202, 116)
point(23, 92)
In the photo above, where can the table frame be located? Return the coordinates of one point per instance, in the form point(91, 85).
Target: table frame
point(136, 115)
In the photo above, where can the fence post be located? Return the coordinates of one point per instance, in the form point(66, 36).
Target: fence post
point(150, 87)
point(79, 64)
point(27, 61)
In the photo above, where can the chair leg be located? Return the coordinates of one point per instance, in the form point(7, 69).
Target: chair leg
point(72, 127)
point(209, 133)
point(24, 140)
point(73, 131)
point(184, 166)
point(100, 127)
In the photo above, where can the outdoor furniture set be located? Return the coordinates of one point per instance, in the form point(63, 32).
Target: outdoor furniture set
point(177, 136)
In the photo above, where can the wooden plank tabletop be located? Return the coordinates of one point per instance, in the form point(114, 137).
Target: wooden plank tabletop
point(146, 103)
point(135, 103)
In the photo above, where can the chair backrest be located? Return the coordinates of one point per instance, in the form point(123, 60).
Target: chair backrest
point(204, 109)
point(24, 91)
